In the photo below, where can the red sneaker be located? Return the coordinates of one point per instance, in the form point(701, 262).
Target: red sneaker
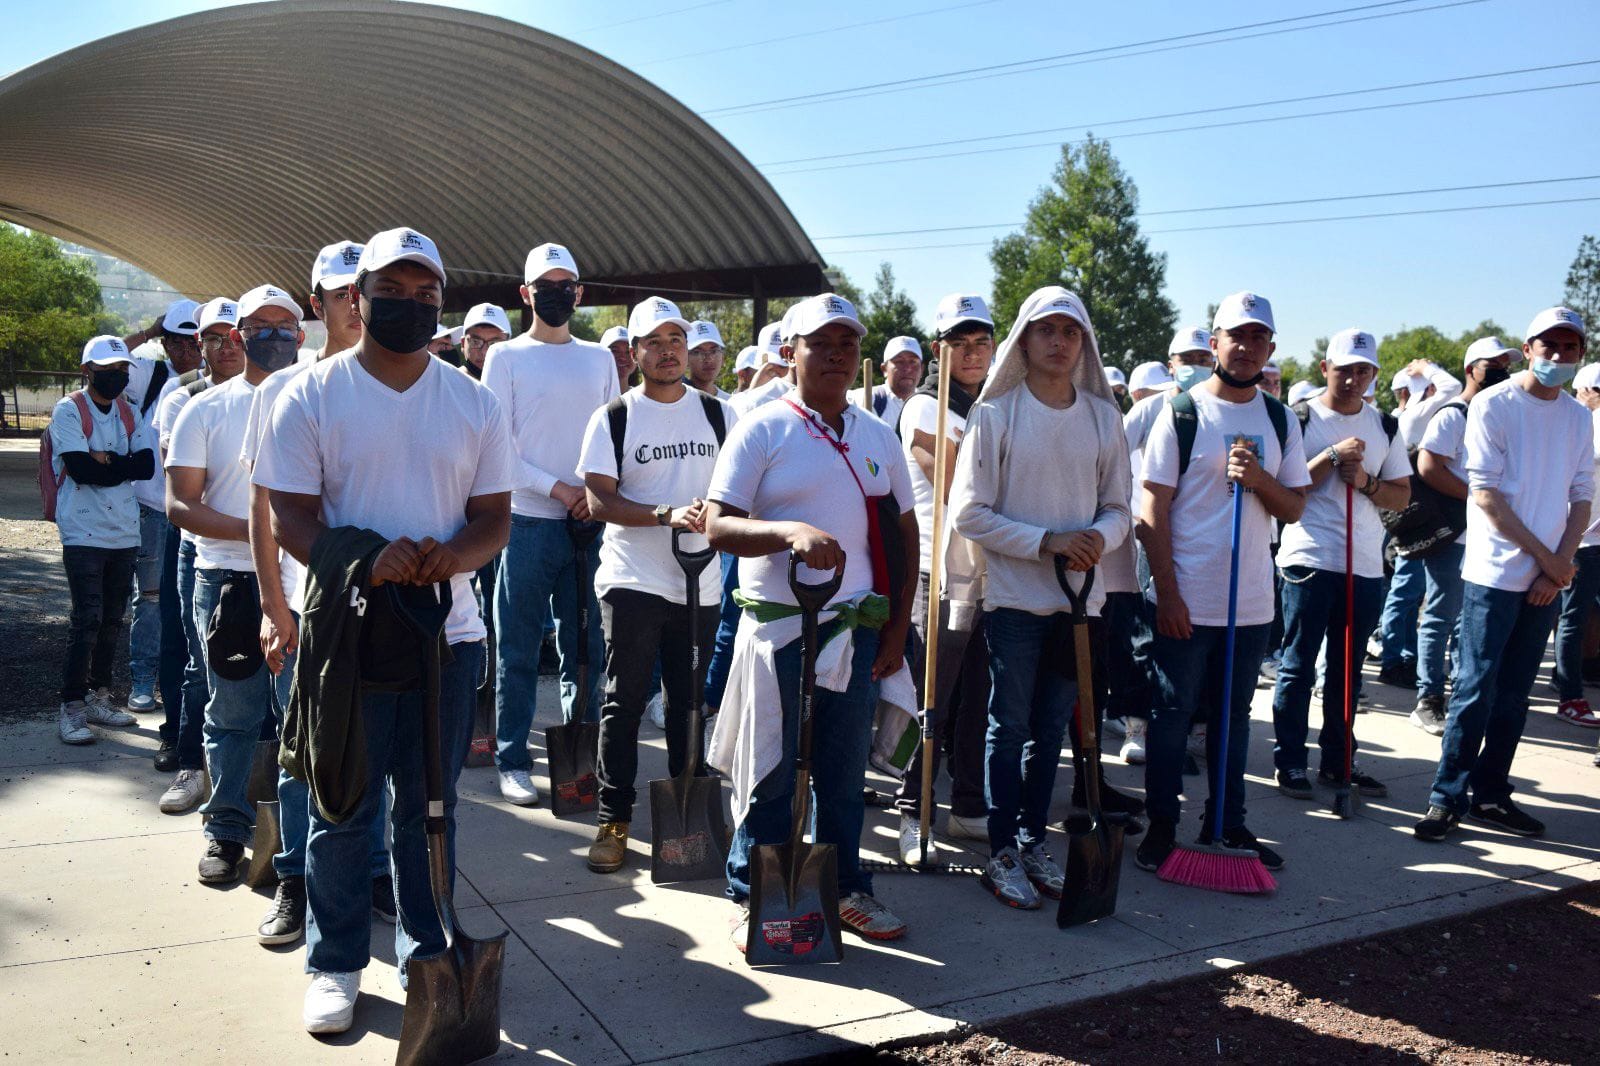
point(1578, 712)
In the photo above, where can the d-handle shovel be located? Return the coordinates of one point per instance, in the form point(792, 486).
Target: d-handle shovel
point(262, 793)
point(1094, 854)
point(794, 886)
point(574, 747)
point(452, 1011)
point(688, 837)
point(1344, 797)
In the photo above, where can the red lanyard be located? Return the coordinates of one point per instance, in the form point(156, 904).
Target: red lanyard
point(820, 432)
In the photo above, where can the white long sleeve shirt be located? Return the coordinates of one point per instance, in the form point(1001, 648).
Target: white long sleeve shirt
point(1414, 419)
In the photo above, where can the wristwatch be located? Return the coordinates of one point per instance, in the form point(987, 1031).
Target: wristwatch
point(664, 514)
point(1333, 456)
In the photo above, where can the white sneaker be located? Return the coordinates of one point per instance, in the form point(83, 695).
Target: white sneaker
point(1114, 727)
point(1269, 672)
point(911, 840)
point(960, 828)
point(103, 710)
point(517, 787)
point(331, 1001)
point(187, 789)
point(74, 725)
point(1133, 742)
point(657, 710)
point(142, 699)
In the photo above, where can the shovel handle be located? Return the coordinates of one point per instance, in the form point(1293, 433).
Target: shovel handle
point(1080, 599)
point(813, 598)
point(1088, 742)
point(583, 532)
point(693, 563)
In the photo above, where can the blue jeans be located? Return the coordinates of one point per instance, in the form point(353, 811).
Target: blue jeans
point(338, 880)
point(144, 635)
point(233, 719)
point(1399, 625)
point(727, 626)
point(1029, 705)
point(1313, 611)
point(1184, 671)
point(196, 688)
point(1436, 633)
point(180, 730)
point(841, 738)
point(1576, 601)
point(538, 572)
point(1502, 640)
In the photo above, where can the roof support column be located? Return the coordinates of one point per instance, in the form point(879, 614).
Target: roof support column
point(758, 301)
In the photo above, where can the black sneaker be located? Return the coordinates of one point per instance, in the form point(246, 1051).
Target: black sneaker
point(1508, 816)
point(383, 898)
point(549, 658)
point(1429, 715)
point(286, 921)
point(1241, 839)
point(166, 759)
point(1365, 784)
point(1403, 675)
point(222, 862)
point(1156, 845)
point(1436, 824)
point(1295, 783)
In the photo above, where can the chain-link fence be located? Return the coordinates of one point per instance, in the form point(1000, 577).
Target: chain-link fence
point(29, 397)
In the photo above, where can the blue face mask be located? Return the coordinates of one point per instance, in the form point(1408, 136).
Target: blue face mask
point(1188, 376)
point(1552, 374)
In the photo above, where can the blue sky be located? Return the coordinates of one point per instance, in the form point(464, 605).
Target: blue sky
point(1445, 269)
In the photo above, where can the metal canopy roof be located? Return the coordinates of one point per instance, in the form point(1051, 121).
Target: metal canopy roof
point(220, 150)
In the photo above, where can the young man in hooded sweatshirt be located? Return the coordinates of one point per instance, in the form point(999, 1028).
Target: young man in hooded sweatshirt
point(1042, 474)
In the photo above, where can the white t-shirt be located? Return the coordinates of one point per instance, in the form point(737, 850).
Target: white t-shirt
point(171, 406)
point(403, 464)
point(1317, 540)
point(266, 394)
point(774, 469)
point(1445, 436)
point(1540, 455)
point(152, 493)
point(547, 392)
point(750, 399)
point(892, 404)
point(1136, 425)
point(922, 413)
point(1591, 536)
point(207, 437)
point(96, 516)
point(1202, 511)
point(668, 454)
point(1421, 409)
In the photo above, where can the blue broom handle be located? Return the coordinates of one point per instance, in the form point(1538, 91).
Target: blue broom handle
point(1220, 789)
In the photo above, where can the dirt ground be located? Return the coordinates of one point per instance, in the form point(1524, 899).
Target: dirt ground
point(1518, 983)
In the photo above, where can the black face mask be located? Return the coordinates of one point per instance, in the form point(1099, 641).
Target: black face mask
point(108, 383)
point(1237, 383)
point(400, 325)
point(554, 306)
point(1494, 375)
point(272, 349)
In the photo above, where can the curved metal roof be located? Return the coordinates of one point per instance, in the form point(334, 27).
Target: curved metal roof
point(220, 150)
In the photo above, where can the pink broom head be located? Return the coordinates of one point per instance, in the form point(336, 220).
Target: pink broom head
point(1218, 869)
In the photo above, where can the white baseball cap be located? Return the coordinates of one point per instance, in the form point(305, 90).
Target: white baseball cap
point(1303, 390)
point(770, 340)
point(267, 296)
point(219, 312)
point(1272, 366)
point(456, 335)
point(824, 309)
point(1064, 303)
point(1115, 377)
point(1408, 381)
point(650, 314)
point(1488, 348)
point(1241, 307)
point(959, 307)
point(701, 331)
point(897, 345)
point(400, 245)
point(613, 335)
point(487, 315)
point(1150, 376)
point(748, 358)
point(1190, 339)
point(548, 257)
point(1372, 388)
point(785, 326)
point(336, 266)
point(104, 350)
point(1587, 377)
point(442, 332)
point(181, 317)
point(1553, 318)
point(1350, 346)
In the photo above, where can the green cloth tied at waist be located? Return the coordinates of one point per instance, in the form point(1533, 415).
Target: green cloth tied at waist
point(871, 611)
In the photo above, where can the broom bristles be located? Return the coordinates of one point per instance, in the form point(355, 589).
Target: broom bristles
point(1217, 869)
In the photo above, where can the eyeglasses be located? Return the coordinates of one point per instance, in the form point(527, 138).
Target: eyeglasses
point(474, 343)
point(546, 285)
point(277, 332)
point(214, 344)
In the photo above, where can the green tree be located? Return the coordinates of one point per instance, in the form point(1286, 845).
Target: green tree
point(49, 304)
point(1583, 281)
point(1081, 233)
point(888, 313)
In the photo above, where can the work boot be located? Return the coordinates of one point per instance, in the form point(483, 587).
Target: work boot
point(610, 847)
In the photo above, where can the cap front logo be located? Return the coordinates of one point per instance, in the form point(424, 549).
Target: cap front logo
point(964, 304)
point(1248, 301)
point(227, 309)
point(410, 240)
point(1360, 342)
point(1566, 315)
point(351, 255)
point(116, 346)
point(552, 255)
point(834, 305)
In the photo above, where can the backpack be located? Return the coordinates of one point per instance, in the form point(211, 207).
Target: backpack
point(1186, 420)
point(49, 483)
point(617, 415)
point(158, 378)
point(1431, 520)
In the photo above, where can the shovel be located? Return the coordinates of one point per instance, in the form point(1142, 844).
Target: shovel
point(1094, 852)
point(262, 793)
point(452, 1011)
point(574, 747)
point(794, 886)
point(481, 751)
point(1344, 797)
point(688, 838)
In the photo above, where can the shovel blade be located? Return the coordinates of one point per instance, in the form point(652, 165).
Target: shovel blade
point(267, 842)
point(1344, 802)
point(573, 750)
point(688, 837)
point(481, 751)
point(794, 905)
point(263, 784)
point(452, 1011)
point(1094, 870)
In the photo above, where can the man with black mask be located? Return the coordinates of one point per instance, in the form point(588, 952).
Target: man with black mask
point(548, 384)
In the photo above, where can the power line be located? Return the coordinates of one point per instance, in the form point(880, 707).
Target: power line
point(1090, 55)
point(657, 15)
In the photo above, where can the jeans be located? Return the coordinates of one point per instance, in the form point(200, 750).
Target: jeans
point(538, 572)
point(1184, 669)
point(727, 626)
point(1576, 600)
point(1399, 624)
point(99, 580)
point(1502, 640)
point(338, 881)
point(841, 738)
point(1314, 611)
point(1028, 711)
point(178, 729)
point(1436, 633)
point(144, 635)
point(640, 630)
point(196, 689)
point(1129, 619)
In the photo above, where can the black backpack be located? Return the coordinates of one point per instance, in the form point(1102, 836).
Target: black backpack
point(1187, 423)
point(1431, 520)
point(617, 416)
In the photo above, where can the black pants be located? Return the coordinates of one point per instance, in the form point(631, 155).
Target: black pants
point(100, 581)
point(1129, 619)
point(639, 628)
point(961, 711)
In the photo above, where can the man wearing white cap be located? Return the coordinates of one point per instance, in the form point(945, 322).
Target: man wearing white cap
point(1148, 379)
point(99, 448)
point(1578, 597)
point(1119, 385)
point(1348, 446)
point(774, 368)
point(805, 475)
point(1243, 440)
point(1439, 492)
point(389, 461)
point(1272, 381)
point(548, 384)
point(332, 274)
point(1530, 468)
point(485, 325)
point(615, 340)
point(902, 370)
point(705, 358)
point(744, 366)
point(646, 463)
